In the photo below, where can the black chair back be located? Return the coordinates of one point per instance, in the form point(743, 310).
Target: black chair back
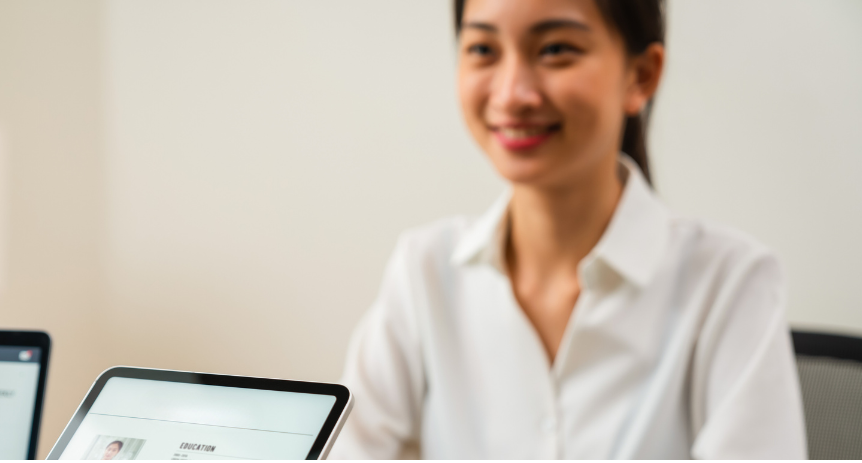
point(830, 372)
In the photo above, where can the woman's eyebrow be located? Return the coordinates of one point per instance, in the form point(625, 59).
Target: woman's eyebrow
point(479, 25)
point(538, 28)
point(549, 24)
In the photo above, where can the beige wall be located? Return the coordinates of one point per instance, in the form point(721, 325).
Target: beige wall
point(53, 189)
point(4, 216)
point(262, 159)
point(216, 185)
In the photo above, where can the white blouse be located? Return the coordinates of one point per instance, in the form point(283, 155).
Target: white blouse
point(678, 347)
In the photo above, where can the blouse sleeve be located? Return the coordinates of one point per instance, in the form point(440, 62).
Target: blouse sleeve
point(384, 372)
point(746, 400)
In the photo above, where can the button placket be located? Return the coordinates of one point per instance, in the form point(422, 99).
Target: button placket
point(549, 425)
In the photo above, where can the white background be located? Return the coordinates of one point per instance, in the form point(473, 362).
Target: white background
point(217, 185)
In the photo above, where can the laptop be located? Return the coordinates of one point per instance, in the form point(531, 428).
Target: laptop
point(141, 413)
point(23, 370)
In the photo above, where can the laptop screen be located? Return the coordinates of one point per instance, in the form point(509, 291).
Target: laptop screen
point(158, 420)
point(19, 382)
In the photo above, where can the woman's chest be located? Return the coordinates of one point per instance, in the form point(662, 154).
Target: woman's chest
point(492, 391)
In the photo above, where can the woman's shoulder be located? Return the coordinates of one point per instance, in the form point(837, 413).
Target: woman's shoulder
point(710, 245)
point(434, 240)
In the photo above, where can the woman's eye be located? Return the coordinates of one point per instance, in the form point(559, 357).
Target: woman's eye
point(557, 49)
point(479, 50)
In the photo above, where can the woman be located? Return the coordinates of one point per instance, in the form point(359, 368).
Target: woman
point(578, 318)
point(112, 450)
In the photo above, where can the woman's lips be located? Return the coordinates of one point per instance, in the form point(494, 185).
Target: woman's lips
point(523, 138)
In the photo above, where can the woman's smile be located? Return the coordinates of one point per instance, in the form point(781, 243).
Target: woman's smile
point(522, 137)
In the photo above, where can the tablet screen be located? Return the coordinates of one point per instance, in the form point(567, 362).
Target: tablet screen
point(19, 382)
point(158, 420)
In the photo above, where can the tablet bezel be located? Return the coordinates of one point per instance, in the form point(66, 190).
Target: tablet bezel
point(320, 448)
point(40, 339)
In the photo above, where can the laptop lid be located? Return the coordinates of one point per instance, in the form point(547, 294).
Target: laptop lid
point(23, 371)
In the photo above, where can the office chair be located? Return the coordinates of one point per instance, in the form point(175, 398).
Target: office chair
point(830, 372)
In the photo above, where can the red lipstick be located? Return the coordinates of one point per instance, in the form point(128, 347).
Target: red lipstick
point(522, 138)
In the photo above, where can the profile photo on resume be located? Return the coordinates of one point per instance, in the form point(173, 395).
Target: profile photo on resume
point(114, 448)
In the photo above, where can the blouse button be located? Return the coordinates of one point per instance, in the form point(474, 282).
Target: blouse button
point(548, 425)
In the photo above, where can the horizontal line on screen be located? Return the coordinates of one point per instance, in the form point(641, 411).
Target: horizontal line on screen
point(201, 424)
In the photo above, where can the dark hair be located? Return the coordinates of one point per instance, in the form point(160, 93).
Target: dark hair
point(120, 444)
point(640, 23)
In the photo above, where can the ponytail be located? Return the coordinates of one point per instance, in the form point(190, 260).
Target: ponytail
point(634, 143)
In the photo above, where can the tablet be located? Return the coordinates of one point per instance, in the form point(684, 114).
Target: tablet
point(23, 370)
point(138, 413)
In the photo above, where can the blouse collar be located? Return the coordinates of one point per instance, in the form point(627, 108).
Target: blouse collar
point(632, 245)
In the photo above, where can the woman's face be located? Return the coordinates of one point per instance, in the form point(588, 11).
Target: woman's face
point(111, 451)
point(544, 86)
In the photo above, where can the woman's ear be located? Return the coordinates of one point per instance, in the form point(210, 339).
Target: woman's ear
point(645, 75)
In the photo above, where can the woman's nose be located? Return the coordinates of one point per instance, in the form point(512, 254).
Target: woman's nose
point(515, 90)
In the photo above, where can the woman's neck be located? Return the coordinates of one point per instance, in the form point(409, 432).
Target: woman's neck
point(552, 229)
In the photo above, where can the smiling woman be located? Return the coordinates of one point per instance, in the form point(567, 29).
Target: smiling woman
point(577, 318)
point(546, 91)
point(640, 25)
